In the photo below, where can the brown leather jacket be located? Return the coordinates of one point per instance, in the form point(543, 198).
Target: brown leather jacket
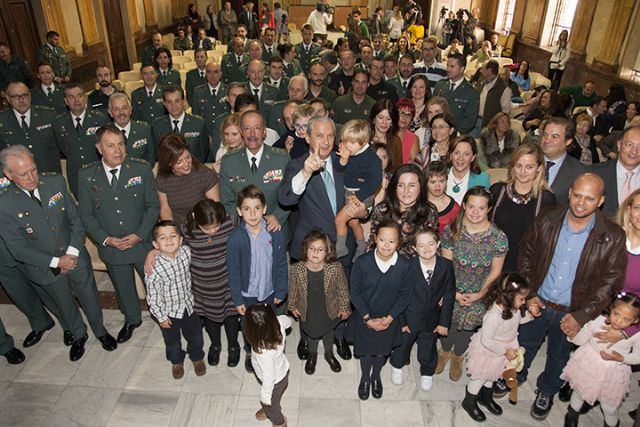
point(602, 265)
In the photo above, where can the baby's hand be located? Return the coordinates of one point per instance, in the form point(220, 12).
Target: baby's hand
point(288, 144)
point(511, 353)
point(343, 153)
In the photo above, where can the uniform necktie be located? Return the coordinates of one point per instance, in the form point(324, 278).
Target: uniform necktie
point(404, 85)
point(33, 196)
point(239, 59)
point(114, 179)
point(254, 165)
point(213, 93)
point(329, 186)
point(49, 92)
point(150, 94)
point(269, 50)
point(78, 124)
point(626, 187)
point(124, 134)
point(175, 126)
point(306, 50)
point(549, 166)
point(201, 75)
point(25, 126)
point(452, 87)
point(164, 74)
point(257, 93)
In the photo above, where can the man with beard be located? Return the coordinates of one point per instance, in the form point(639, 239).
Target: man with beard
point(99, 98)
point(317, 89)
point(378, 88)
point(137, 135)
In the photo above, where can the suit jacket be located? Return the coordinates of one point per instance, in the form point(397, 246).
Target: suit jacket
point(193, 129)
point(132, 208)
point(56, 101)
point(231, 68)
point(607, 171)
point(147, 109)
point(313, 204)
point(172, 77)
point(206, 43)
point(305, 58)
point(79, 147)
point(336, 289)
point(464, 103)
point(193, 81)
point(35, 233)
point(424, 312)
point(38, 138)
point(250, 22)
point(6, 259)
point(140, 143)
point(235, 174)
point(58, 59)
point(283, 87)
point(567, 173)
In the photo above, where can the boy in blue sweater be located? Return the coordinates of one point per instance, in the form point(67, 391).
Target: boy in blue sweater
point(256, 258)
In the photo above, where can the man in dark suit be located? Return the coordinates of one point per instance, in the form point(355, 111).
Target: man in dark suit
point(47, 93)
point(118, 207)
point(30, 126)
point(463, 99)
point(250, 20)
point(147, 100)
point(622, 176)
point(193, 128)
point(137, 135)
point(269, 47)
point(197, 76)
point(42, 229)
point(75, 132)
point(56, 56)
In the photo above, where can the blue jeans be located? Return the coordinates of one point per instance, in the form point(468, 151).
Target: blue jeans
point(191, 328)
point(532, 335)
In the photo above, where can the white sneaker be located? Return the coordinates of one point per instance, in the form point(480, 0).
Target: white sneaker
point(396, 376)
point(426, 382)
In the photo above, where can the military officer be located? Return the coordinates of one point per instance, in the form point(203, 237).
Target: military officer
point(257, 164)
point(401, 80)
point(137, 135)
point(263, 92)
point(8, 349)
point(147, 100)
point(42, 230)
point(30, 126)
point(355, 104)
point(76, 132)
point(268, 44)
point(277, 78)
point(56, 56)
point(197, 76)
point(118, 207)
point(307, 50)
point(213, 126)
point(254, 52)
point(210, 103)
point(298, 89)
point(99, 98)
point(48, 93)
point(193, 128)
point(149, 51)
point(13, 68)
point(232, 61)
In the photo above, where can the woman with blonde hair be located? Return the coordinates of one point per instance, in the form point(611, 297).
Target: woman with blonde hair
point(231, 137)
point(519, 199)
point(498, 141)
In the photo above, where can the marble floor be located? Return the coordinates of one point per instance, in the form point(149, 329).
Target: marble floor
point(133, 386)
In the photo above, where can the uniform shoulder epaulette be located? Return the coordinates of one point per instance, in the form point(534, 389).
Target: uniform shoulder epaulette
point(197, 116)
point(279, 150)
point(141, 123)
point(138, 160)
point(49, 173)
point(88, 165)
point(42, 108)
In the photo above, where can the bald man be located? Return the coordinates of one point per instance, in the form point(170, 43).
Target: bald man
point(575, 259)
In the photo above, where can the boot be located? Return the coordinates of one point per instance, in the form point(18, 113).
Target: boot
point(571, 418)
point(485, 398)
point(443, 358)
point(455, 369)
point(470, 405)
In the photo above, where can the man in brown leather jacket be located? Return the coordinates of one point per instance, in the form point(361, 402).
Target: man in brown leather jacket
point(575, 260)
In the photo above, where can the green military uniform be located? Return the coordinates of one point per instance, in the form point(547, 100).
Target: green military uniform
point(172, 77)
point(37, 231)
point(139, 141)
point(212, 109)
point(326, 94)
point(401, 88)
point(464, 103)
point(148, 54)
point(276, 118)
point(6, 340)
point(38, 138)
point(344, 108)
point(193, 81)
point(97, 100)
point(230, 67)
point(292, 69)
point(147, 107)
point(269, 52)
point(16, 69)
point(132, 207)
point(215, 133)
point(78, 145)
point(58, 59)
point(53, 100)
point(268, 97)
point(283, 87)
point(306, 54)
point(193, 129)
point(236, 174)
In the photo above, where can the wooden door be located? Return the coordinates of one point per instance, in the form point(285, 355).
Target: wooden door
point(18, 29)
point(115, 28)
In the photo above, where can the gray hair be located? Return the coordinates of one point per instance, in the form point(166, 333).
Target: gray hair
point(118, 95)
point(303, 79)
point(13, 151)
point(319, 119)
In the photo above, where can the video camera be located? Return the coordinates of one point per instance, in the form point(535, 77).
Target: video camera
point(443, 12)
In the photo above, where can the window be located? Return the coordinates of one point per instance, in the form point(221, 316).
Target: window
point(559, 17)
point(505, 16)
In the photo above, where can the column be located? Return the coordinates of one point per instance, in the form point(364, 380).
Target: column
point(607, 60)
point(581, 28)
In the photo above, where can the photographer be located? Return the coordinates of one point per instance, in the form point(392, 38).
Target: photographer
point(319, 19)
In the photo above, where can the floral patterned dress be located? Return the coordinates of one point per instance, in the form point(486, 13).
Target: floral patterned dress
point(472, 257)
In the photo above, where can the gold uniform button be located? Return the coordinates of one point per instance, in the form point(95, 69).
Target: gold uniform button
point(120, 222)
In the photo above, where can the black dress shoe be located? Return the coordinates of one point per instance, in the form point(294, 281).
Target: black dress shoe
point(234, 357)
point(68, 338)
point(213, 358)
point(565, 392)
point(108, 342)
point(376, 389)
point(310, 366)
point(247, 363)
point(363, 390)
point(333, 362)
point(633, 414)
point(343, 349)
point(35, 336)
point(303, 349)
point(126, 332)
point(14, 356)
point(77, 349)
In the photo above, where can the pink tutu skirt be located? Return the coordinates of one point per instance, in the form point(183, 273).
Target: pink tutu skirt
point(595, 378)
point(482, 363)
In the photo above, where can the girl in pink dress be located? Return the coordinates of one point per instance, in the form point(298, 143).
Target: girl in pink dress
point(596, 371)
point(496, 342)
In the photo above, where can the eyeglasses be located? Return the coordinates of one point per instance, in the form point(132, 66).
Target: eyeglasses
point(298, 126)
point(441, 127)
point(406, 114)
point(20, 96)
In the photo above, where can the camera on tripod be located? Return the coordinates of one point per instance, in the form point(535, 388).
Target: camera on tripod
point(443, 12)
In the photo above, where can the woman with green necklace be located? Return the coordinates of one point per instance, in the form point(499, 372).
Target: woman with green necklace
point(464, 172)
